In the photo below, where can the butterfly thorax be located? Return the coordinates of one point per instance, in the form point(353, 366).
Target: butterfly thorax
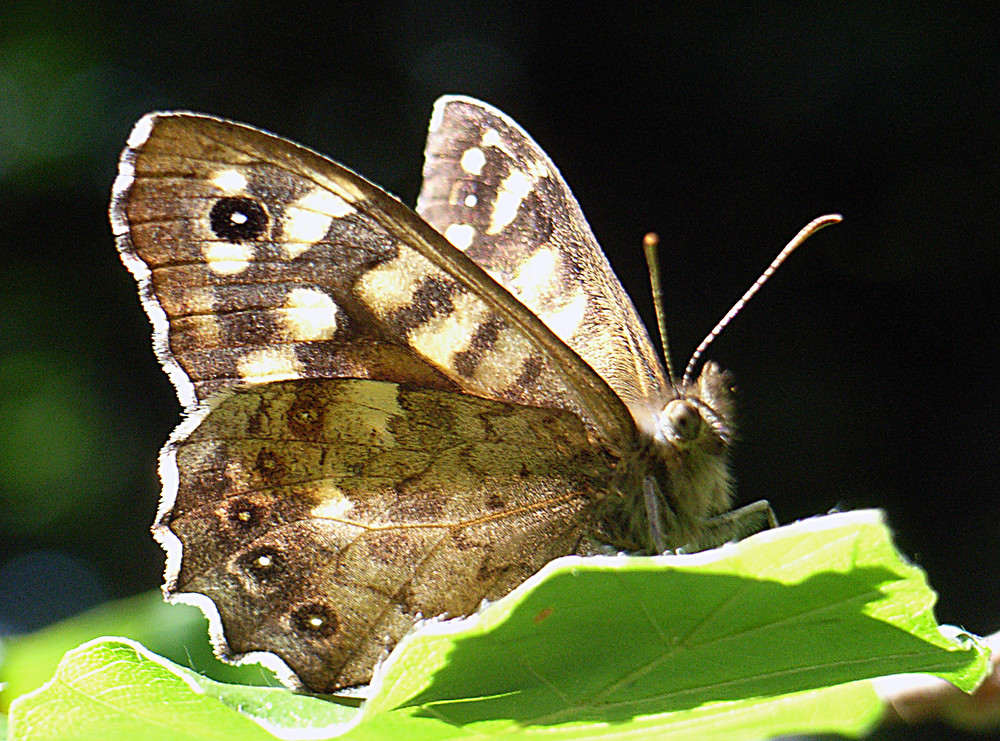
point(678, 475)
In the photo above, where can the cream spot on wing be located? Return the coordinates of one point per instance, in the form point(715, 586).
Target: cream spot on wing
point(376, 402)
point(500, 367)
point(492, 138)
point(269, 364)
point(308, 219)
point(565, 320)
point(333, 505)
point(441, 337)
point(534, 276)
point(336, 206)
point(227, 258)
point(460, 235)
point(497, 275)
point(473, 160)
point(229, 181)
point(390, 285)
point(512, 191)
point(471, 200)
point(308, 315)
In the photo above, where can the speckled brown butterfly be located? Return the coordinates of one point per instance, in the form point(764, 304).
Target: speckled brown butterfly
point(391, 415)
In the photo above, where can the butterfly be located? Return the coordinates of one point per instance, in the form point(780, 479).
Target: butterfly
point(392, 414)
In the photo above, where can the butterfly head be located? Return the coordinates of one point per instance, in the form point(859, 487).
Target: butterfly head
point(701, 416)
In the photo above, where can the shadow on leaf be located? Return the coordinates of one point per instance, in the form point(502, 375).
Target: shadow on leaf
point(672, 643)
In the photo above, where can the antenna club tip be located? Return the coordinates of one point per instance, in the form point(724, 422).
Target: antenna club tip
point(652, 239)
point(827, 219)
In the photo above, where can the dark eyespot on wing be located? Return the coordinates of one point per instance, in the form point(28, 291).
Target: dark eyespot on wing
point(238, 219)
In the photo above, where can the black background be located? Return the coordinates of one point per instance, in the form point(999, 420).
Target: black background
point(866, 368)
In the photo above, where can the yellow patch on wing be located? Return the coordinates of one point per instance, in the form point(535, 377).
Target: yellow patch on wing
point(308, 219)
point(441, 337)
point(227, 258)
point(236, 474)
point(376, 402)
point(230, 181)
point(501, 366)
point(308, 315)
point(270, 364)
point(203, 329)
point(334, 503)
point(196, 300)
point(390, 285)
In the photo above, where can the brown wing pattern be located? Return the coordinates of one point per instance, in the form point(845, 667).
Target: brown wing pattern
point(377, 430)
point(322, 516)
point(492, 191)
point(260, 261)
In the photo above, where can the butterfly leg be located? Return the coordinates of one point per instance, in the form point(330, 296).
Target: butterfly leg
point(735, 525)
point(654, 513)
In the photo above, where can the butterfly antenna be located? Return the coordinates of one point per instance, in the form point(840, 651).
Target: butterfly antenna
point(650, 243)
point(804, 233)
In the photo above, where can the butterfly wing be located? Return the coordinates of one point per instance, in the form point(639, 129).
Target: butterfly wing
point(492, 191)
point(260, 260)
point(376, 429)
point(321, 517)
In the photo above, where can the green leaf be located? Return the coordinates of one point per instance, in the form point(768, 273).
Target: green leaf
point(115, 689)
point(776, 634)
point(656, 642)
point(178, 632)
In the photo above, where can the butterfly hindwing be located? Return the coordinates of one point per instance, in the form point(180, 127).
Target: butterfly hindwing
point(492, 191)
point(322, 516)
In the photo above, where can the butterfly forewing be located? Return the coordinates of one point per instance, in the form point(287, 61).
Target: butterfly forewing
point(271, 262)
point(492, 191)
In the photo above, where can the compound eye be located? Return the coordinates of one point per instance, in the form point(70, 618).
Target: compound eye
point(684, 419)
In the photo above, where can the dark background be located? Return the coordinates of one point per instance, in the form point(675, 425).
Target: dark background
point(866, 367)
